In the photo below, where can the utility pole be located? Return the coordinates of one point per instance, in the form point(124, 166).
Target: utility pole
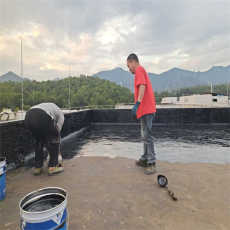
point(69, 99)
point(228, 92)
point(22, 84)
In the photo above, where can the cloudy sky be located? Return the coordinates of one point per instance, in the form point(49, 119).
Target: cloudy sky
point(91, 36)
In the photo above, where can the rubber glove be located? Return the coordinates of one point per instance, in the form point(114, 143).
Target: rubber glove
point(134, 109)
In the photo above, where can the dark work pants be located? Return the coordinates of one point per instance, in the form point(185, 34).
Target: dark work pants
point(147, 136)
point(45, 132)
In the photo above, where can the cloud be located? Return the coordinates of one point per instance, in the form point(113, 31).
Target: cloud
point(96, 35)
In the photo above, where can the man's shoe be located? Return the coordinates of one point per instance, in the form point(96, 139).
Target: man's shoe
point(150, 169)
point(55, 170)
point(141, 163)
point(37, 171)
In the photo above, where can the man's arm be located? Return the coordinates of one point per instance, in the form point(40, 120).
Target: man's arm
point(141, 93)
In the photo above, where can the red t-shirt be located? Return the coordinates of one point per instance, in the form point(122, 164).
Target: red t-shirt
point(148, 103)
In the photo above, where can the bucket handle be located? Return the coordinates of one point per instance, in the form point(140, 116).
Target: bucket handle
point(61, 226)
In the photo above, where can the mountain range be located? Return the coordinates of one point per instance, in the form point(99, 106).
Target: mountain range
point(172, 79)
point(10, 76)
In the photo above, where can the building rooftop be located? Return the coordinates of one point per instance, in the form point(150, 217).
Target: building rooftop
point(107, 191)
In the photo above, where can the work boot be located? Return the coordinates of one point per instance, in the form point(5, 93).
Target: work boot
point(141, 163)
point(37, 171)
point(150, 169)
point(55, 170)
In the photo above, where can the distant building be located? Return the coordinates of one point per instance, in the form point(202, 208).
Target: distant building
point(198, 99)
point(169, 100)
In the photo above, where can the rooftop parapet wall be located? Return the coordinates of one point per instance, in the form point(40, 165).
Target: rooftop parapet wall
point(16, 142)
point(194, 116)
point(177, 116)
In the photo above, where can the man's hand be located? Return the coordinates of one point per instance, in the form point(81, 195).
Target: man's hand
point(134, 109)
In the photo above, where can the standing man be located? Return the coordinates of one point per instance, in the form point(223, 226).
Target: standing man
point(144, 109)
point(45, 122)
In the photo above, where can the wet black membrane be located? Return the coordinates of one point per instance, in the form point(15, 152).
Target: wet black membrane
point(202, 135)
point(218, 135)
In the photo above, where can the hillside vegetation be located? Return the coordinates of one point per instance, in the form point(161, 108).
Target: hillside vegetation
point(85, 91)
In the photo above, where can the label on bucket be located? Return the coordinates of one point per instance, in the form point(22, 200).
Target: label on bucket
point(58, 222)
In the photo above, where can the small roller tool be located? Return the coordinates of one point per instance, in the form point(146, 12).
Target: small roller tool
point(163, 183)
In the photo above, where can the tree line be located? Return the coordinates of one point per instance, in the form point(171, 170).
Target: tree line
point(84, 91)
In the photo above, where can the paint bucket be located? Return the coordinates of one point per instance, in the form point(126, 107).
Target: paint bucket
point(2, 178)
point(44, 209)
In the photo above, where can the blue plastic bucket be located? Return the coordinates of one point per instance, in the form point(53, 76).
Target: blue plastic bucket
point(2, 178)
point(44, 209)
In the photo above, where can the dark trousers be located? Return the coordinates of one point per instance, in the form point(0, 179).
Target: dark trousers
point(147, 136)
point(45, 132)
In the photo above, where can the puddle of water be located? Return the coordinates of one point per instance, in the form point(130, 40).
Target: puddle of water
point(210, 144)
point(166, 151)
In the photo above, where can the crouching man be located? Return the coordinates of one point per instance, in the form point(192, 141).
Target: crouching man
point(45, 122)
point(144, 109)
